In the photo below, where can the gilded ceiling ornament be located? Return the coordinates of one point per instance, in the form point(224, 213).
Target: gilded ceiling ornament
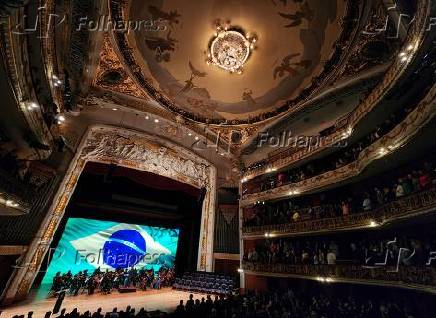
point(111, 75)
point(230, 49)
point(231, 55)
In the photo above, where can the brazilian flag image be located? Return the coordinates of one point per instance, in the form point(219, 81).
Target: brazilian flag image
point(88, 244)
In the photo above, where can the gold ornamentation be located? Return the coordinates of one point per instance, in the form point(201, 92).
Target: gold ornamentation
point(230, 49)
point(109, 62)
point(410, 206)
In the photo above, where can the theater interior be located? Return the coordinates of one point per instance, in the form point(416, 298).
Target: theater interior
point(218, 158)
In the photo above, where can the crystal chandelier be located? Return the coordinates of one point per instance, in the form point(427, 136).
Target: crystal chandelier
point(230, 49)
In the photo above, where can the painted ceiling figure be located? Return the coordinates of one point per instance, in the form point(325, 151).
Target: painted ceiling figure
point(158, 14)
point(247, 95)
point(189, 84)
point(287, 67)
point(161, 46)
point(296, 19)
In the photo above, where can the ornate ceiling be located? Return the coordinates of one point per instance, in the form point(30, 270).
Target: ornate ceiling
point(306, 64)
point(167, 55)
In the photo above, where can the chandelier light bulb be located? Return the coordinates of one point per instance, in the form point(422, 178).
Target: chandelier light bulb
point(229, 50)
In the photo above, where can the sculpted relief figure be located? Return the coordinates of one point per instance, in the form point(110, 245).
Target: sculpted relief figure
point(116, 146)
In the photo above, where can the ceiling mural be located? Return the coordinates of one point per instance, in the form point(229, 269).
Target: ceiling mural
point(288, 44)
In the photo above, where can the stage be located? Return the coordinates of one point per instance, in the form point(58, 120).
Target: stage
point(165, 299)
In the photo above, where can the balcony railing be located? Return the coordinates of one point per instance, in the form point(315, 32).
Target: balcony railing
point(389, 143)
point(415, 38)
point(419, 276)
point(406, 206)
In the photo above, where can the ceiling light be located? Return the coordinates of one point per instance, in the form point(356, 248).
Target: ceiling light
point(196, 137)
point(229, 50)
point(382, 151)
point(156, 120)
point(61, 118)
point(114, 108)
point(190, 134)
point(147, 117)
point(11, 203)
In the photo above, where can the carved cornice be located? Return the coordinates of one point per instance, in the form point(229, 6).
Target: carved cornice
point(341, 48)
point(396, 138)
point(415, 38)
point(151, 154)
point(410, 206)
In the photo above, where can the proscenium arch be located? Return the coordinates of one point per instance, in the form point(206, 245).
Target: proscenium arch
point(131, 149)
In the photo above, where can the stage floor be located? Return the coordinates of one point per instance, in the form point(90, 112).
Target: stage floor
point(165, 299)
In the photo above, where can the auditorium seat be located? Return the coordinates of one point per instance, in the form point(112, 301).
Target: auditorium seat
point(209, 283)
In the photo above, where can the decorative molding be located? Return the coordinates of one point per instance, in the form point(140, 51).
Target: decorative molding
point(117, 10)
point(396, 138)
point(134, 150)
point(98, 97)
point(110, 62)
point(358, 56)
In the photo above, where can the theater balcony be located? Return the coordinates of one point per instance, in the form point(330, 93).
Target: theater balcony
point(28, 133)
point(400, 256)
point(347, 157)
point(273, 139)
point(372, 200)
point(272, 155)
